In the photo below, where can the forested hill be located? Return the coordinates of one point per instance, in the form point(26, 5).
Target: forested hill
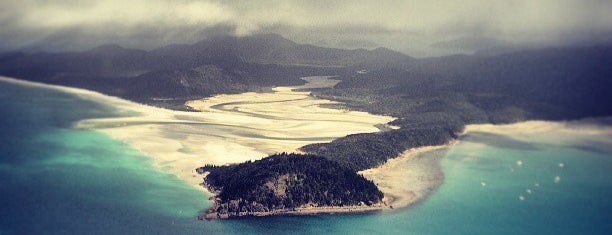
point(557, 83)
point(434, 98)
point(284, 182)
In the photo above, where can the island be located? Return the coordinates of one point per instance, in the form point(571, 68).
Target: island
point(288, 184)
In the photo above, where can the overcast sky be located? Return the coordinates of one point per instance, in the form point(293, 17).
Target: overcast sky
point(416, 27)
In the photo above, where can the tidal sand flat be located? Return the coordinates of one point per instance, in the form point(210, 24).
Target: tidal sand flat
point(233, 128)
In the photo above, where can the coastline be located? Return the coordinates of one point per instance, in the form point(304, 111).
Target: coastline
point(145, 128)
point(299, 211)
point(169, 138)
point(405, 181)
point(411, 177)
point(178, 142)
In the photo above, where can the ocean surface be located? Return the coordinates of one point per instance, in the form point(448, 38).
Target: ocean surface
point(58, 180)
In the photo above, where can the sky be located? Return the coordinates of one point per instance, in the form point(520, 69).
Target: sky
point(416, 27)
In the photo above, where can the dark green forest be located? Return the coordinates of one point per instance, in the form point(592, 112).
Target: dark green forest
point(435, 98)
point(363, 151)
point(287, 181)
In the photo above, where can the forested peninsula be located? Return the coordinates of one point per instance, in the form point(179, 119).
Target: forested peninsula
point(288, 184)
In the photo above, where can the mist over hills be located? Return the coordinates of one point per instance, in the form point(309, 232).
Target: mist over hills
point(211, 66)
point(545, 83)
point(274, 49)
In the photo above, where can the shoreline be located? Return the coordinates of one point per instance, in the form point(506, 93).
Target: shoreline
point(411, 177)
point(405, 181)
point(299, 211)
point(178, 142)
point(167, 137)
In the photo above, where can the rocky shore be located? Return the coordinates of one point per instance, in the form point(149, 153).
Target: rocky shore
point(213, 213)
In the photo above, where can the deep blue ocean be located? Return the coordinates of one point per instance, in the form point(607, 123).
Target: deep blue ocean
point(58, 180)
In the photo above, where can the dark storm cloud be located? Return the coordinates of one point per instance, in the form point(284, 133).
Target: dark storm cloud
point(76, 24)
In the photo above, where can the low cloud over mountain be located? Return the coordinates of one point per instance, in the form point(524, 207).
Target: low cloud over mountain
point(408, 26)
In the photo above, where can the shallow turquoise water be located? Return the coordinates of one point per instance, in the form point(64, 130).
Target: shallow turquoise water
point(57, 180)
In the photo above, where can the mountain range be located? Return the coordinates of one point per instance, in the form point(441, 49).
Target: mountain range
point(568, 81)
point(211, 66)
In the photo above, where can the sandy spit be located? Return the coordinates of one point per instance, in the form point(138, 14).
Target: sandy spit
point(411, 177)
